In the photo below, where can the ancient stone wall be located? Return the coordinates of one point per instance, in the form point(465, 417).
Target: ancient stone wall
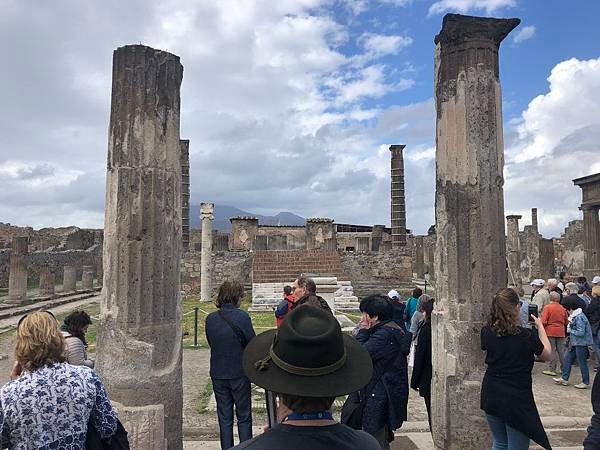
point(547, 268)
point(371, 266)
point(63, 238)
point(53, 261)
point(226, 266)
point(572, 247)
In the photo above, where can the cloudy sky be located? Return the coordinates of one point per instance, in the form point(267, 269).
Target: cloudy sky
point(291, 104)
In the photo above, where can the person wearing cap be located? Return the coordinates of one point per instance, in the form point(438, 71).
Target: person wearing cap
point(398, 308)
point(540, 295)
point(596, 280)
point(308, 362)
point(385, 398)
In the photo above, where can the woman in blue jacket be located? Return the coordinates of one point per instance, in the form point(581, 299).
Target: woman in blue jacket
point(580, 336)
point(386, 396)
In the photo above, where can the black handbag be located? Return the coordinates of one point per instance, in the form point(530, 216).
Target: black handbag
point(352, 412)
point(117, 441)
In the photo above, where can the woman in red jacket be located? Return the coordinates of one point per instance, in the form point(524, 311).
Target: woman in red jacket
point(554, 318)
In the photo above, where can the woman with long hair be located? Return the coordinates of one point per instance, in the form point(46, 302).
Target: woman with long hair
point(506, 393)
point(74, 329)
point(49, 402)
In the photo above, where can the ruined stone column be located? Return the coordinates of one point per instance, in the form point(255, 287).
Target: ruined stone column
point(377, 237)
point(139, 335)
point(46, 283)
point(69, 279)
point(397, 195)
point(512, 248)
point(470, 261)
point(17, 275)
point(591, 245)
point(206, 216)
point(534, 220)
point(419, 257)
point(184, 145)
point(99, 270)
point(87, 278)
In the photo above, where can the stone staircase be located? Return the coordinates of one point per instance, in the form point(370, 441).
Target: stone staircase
point(284, 266)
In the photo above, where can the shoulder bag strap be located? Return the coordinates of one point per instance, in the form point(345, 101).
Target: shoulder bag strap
point(239, 334)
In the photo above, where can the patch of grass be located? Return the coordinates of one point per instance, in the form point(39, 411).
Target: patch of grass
point(261, 321)
point(205, 397)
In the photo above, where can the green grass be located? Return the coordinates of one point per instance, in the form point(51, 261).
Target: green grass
point(205, 397)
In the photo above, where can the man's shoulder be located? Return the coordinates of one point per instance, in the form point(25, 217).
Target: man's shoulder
point(342, 434)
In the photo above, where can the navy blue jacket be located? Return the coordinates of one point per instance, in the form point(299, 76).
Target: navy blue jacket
point(592, 440)
point(388, 344)
point(225, 348)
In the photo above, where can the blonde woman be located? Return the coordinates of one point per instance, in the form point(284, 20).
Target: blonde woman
point(49, 402)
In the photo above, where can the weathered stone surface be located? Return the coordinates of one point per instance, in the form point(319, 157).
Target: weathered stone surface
point(139, 336)
point(513, 250)
point(69, 279)
point(419, 265)
point(207, 216)
point(363, 244)
point(145, 425)
point(470, 262)
point(17, 281)
point(46, 284)
point(243, 232)
point(87, 277)
point(398, 196)
point(320, 234)
point(532, 252)
point(184, 147)
point(590, 205)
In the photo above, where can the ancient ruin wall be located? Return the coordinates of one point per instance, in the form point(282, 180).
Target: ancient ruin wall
point(53, 261)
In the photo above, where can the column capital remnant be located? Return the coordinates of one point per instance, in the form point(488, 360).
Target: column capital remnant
point(397, 149)
point(207, 211)
point(459, 29)
point(514, 217)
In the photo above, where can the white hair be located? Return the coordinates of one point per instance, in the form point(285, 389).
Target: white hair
point(552, 281)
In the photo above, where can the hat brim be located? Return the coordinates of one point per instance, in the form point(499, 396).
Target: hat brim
point(353, 375)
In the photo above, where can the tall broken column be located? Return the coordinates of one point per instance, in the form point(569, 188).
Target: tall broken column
point(139, 337)
point(69, 279)
point(207, 215)
point(590, 205)
point(534, 220)
point(46, 283)
point(470, 261)
point(512, 248)
point(397, 194)
point(17, 275)
point(185, 194)
point(419, 267)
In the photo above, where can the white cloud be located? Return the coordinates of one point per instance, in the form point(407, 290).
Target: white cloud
point(555, 141)
point(380, 45)
point(524, 33)
point(464, 6)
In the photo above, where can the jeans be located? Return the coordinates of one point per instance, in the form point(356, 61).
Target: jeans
point(579, 352)
point(558, 351)
point(506, 437)
point(227, 394)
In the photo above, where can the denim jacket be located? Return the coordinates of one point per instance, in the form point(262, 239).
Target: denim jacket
point(579, 329)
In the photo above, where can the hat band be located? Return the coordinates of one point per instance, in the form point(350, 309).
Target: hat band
point(307, 371)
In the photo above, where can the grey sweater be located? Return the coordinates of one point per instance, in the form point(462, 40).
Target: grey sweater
point(75, 351)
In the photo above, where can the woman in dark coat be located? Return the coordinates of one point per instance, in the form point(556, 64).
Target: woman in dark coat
point(422, 368)
point(506, 394)
point(386, 395)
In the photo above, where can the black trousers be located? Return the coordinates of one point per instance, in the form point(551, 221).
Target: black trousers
point(427, 398)
point(227, 394)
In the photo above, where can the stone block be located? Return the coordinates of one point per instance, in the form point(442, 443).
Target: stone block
point(145, 426)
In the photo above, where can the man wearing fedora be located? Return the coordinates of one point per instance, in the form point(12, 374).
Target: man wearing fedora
point(308, 362)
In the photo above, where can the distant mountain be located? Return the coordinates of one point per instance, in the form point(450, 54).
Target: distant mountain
point(224, 212)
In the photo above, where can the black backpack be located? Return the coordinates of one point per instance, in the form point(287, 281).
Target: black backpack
point(117, 441)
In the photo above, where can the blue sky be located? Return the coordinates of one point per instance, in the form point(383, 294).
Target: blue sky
point(291, 105)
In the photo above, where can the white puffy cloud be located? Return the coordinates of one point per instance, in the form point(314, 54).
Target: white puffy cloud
point(381, 44)
point(465, 6)
point(554, 141)
point(524, 33)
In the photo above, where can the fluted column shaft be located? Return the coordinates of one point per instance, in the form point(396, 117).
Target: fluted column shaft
point(17, 275)
point(207, 216)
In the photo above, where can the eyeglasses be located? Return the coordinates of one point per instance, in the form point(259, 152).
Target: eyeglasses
point(23, 318)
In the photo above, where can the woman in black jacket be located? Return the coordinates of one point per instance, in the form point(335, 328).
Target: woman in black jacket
point(422, 368)
point(385, 398)
point(506, 392)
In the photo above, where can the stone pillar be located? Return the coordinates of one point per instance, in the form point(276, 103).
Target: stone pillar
point(470, 261)
point(69, 279)
point(321, 234)
point(243, 232)
point(46, 283)
point(87, 278)
point(534, 220)
point(184, 145)
point(206, 217)
point(362, 244)
point(377, 237)
point(591, 242)
point(99, 270)
point(419, 257)
point(139, 336)
point(512, 248)
point(397, 195)
point(17, 275)
point(532, 252)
